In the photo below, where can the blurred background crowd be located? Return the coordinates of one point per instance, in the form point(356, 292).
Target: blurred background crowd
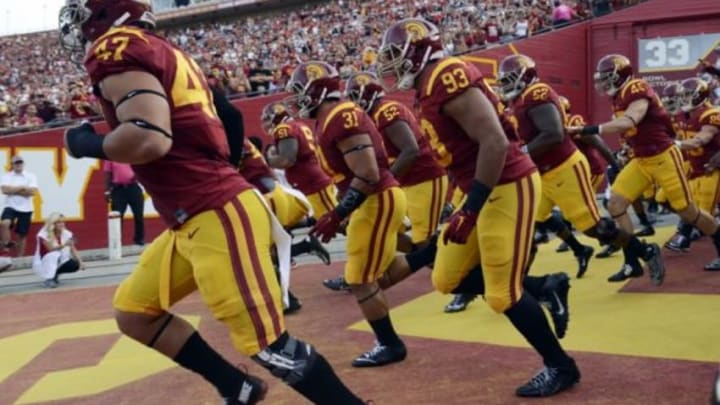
point(250, 55)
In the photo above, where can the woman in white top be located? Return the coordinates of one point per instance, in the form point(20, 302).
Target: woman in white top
point(55, 251)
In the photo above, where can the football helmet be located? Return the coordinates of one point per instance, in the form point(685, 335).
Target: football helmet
point(83, 21)
point(671, 97)
point(565, 104)
point(274, 114)
point(312, 83)
point(611, 73)
point(407, 46)
point(516, 73)
point(364, 89)
point(693, 93)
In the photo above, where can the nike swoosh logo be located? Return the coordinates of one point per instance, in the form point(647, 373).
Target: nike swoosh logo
point(561, 307)
point(191, 234)
point(493, 199)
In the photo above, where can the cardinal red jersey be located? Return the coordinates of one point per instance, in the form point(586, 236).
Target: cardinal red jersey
point(253, 166)
point(343, 121)
point(305, 174)
point(653, 134)
point(597, 162)
point(195, 175)
point(535, 95)
point(441, 83)
point(387, 112)
point(679, 123)
point(79, 106)
point(704, 115)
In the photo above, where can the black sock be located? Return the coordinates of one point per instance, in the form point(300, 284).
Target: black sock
point(637, 248)
point(716, 241)
point(322, 386)
point(472, 283)
point(385, 332)
point(685, 230)
point(529, 319)
point(196, 355)
point(425, 256)
point(558, 227)
point(300, 248)
point(534, 286)
point(642, 217)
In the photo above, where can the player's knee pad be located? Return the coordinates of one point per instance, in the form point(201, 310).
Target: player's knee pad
point(498, 303)
point(288, 359)
point(606, 231)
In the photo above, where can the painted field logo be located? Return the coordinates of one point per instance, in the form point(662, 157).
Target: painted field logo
point(125, 361)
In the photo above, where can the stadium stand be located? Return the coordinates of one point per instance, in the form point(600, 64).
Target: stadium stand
point(253, 53)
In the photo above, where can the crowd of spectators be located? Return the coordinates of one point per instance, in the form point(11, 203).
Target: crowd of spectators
point(254, 55)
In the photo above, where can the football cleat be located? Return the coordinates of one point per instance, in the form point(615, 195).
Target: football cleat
point(555, 298)
point(627, 271)
point(584, 260)
point(607, 252)
point(678, 243)
point(294, 304)
point(381, 355)
point(645, 231)
point(655, 264)
point(336, 284)
point(713, 265)
point(549, 381)
point(563, 247)
point(252, 391)
point(459, 303)
point(317, 249)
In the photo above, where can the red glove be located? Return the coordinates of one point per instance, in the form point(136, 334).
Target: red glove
point(460, 225)
point(327, 226)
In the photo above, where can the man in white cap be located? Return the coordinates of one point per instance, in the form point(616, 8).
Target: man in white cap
point(19, 187)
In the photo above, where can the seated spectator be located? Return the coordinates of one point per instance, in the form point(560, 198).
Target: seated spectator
point(259, 77)
point(79, 105)
point(55, 251)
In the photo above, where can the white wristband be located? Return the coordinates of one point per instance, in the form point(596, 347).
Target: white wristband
point(678, 143)
point(524, 149)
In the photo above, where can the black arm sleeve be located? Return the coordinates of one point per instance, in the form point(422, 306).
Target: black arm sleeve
point(232, 120)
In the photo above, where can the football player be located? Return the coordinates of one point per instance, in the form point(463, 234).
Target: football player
point(412, 161)
point(493, 227)
point(644, 124)
point(563, 169)
point(163, 122)
point(351, 151)
point(294, 151)
point(702, 142)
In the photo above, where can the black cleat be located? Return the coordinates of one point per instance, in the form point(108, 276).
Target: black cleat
point(655, 264)
point(713, 265)
point(252, 391)
point(678, 243)
point(317, 249)
point(563, 247)
point(541, 237)
point(336, 284)
point(647, 230)
point(607, 252)
point(381, 355)
point(584, 260)
point(626, 272)
point(459, 303)
point(294, 306)
point(549, 381)
point(555, 298)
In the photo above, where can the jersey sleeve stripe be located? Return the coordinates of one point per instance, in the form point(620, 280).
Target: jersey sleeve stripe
point(376, 116)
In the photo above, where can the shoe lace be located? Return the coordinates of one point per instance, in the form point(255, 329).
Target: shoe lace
point(375, 350)
point(544, 377)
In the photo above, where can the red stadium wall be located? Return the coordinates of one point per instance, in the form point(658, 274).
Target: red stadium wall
point(619, 33)
point(76, 187)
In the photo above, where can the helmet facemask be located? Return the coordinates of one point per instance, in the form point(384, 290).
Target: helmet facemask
point(393, 61)
point(301, 102)
point(605, 82)
point(690, 100)
point(70, 21)
point(511, 85)
point(672, 104)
